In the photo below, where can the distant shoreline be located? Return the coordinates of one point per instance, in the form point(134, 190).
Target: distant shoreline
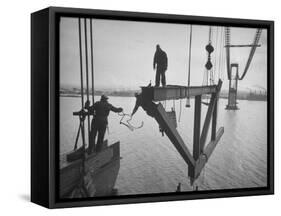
point(119, 93)
point(78, 96)
point(73, 95)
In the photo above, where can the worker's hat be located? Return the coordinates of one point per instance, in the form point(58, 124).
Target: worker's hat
point(104, 97)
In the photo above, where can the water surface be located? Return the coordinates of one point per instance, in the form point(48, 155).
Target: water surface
point(151, 164)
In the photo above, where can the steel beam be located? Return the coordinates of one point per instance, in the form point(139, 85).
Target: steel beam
point(205, 155)
point(214, 121)
point(166, 124)
point(172, 92)
point(197, 127)
point(197, 161)
point(210, 110)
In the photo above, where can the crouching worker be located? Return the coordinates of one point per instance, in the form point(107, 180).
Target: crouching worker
point(100, 111)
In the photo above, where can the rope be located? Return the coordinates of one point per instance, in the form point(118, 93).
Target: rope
point(128, 124)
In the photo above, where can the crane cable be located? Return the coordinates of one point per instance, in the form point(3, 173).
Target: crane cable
point(92, 61)
point(221, 55)
point(87, 73)
point(81, 119)
point(208, 66)
point(189, 66)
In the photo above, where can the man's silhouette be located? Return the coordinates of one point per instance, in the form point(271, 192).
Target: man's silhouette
point(100, 110)
point(160, 63)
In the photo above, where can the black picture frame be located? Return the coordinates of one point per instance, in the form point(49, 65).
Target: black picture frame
point(45, 106)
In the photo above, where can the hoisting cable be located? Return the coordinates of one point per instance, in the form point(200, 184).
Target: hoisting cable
point(220, 54)
point(189, 66)
point(222, 74)
point(210, 49)
point(87, 74)
point(92, 70)
point(216, 48)
point(128, 123)
point(82, 126)
point(209, 66)
point(92, 62)
point(81, 64)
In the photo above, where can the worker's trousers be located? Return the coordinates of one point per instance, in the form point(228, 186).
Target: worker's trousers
point(160, 73)
point(97, 128)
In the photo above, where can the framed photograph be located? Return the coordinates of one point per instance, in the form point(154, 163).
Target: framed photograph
point(139, 107)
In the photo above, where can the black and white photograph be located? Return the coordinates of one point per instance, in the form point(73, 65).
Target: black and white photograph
point(160, 108)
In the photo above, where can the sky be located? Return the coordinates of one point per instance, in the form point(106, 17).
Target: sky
point(123, 54)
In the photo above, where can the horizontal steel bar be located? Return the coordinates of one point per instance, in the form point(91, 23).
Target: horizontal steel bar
point(172, 92)
point(245, 45)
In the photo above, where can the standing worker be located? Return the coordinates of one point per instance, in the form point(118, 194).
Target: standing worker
point(161, 61)
point(100, 110)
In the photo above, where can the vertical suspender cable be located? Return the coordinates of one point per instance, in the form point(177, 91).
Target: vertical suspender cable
point(81, 64)
point(227, 43)
point(220, 53)
point(82, 93)
point(189, 65)
point(216, 55)
point(92, 62)
point(189, 56)
point(87, 74)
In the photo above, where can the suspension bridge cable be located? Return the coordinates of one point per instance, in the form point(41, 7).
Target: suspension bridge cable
point(252, 52)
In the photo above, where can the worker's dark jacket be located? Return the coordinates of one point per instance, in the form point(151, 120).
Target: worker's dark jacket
point(101, 111)
point(148, 106)
point(161, 59)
